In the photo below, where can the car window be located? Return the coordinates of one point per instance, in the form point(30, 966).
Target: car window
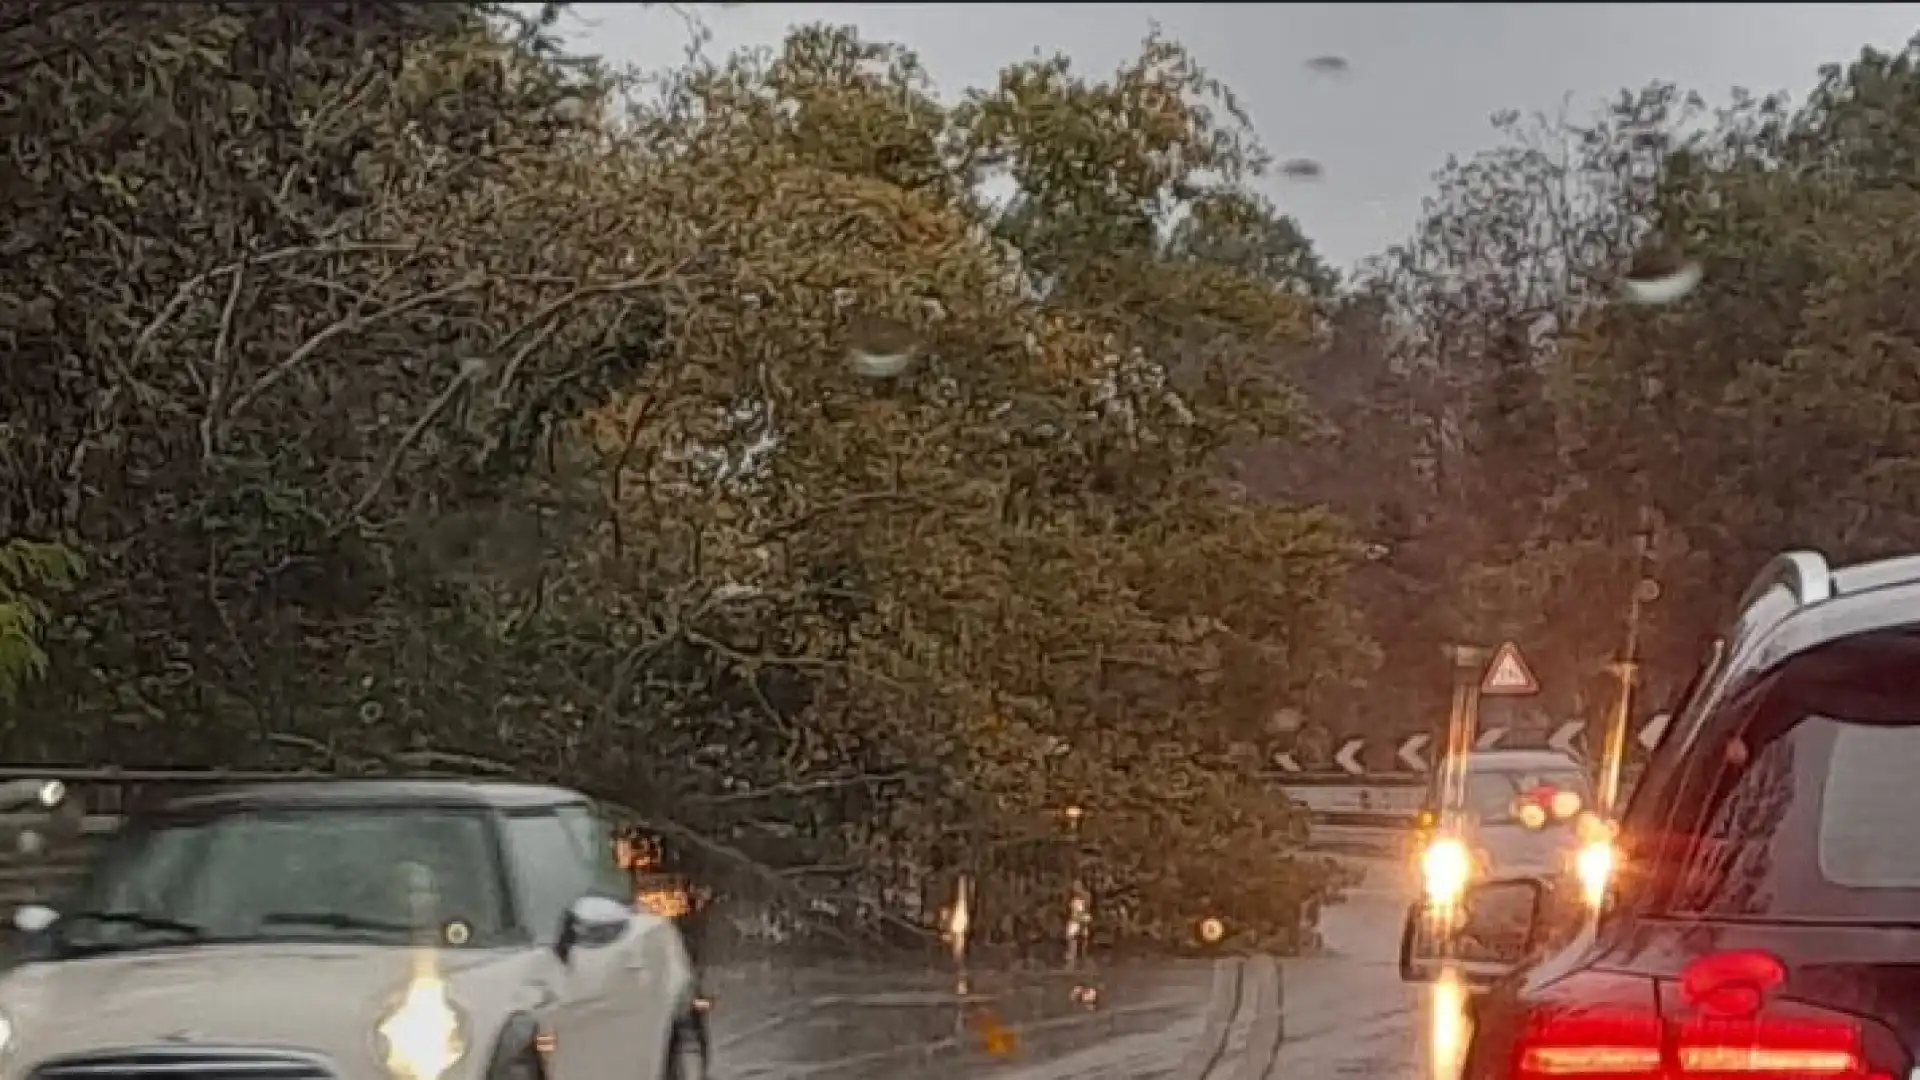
point(298, 874)
point(1490, 793)
point(551, 869)
point(1643, 821)
point(1816, 824)
point(1868, 806)
point(593, 838)
point(1652, 796)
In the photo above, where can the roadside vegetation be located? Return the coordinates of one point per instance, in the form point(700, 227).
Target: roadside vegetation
point(385, 389)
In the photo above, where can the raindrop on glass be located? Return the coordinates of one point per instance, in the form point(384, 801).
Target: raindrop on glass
point(1301, 169)
point(880, 348)
point(1656, 284)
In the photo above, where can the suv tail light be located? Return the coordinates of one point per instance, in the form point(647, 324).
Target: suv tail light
point(1611, 1027)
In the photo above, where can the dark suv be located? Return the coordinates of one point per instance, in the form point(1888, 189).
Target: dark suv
point(1764, 921)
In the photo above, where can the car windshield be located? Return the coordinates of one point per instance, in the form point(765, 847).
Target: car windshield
point(380, 874)
point(1490, 793)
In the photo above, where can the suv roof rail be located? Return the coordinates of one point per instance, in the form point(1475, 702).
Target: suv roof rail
point(1878, 574)
point(1804, 573)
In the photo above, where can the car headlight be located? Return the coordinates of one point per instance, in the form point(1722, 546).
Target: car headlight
point(1593, 864)
point(1445, 868)
point(422, 1037)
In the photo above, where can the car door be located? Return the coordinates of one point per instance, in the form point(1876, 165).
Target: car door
point(592, 1038)
point(648, 979)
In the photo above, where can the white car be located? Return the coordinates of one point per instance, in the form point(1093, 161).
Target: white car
point(350, 930)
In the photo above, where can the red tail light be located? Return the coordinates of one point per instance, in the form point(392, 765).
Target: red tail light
point(1593, 1025)
point(1601, 1042)
point(1718, 1027)
point(1769, 1047)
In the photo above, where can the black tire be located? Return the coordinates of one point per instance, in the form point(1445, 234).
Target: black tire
point(687, 1051)
point(527, 1066)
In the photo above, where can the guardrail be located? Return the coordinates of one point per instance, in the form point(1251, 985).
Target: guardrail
point(1369, 814)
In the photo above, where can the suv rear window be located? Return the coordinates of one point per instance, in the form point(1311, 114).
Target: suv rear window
point(1868, 808)
point(1809, 814)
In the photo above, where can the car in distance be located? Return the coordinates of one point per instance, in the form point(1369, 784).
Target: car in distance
point(1514, 815)
point(1764, 918)
point(340, 930)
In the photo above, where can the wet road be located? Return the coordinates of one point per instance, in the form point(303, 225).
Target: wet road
point(1343, 1014)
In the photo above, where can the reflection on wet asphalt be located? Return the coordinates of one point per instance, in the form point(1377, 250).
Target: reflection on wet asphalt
point(1344, 1014)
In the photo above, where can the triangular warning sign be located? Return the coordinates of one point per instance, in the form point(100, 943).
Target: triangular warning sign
point(1508, 674)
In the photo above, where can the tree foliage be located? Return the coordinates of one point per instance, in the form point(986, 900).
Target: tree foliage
point(1769, 408)
point(415, 401)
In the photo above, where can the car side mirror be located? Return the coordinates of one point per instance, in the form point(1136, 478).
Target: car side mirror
point(1491, 930)
point(34, 918)
point(590, 923)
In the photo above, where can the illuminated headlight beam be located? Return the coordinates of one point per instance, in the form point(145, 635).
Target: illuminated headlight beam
point(1445, 868)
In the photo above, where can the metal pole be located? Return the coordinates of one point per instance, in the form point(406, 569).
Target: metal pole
point(1627, 668)
point(1645, 590)
point(1616, 745)
point(1462, 722)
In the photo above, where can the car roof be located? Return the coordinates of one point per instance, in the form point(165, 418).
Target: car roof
point(327, 794)
point(1798, 603)
point(1865, 598)
point(1519, 760)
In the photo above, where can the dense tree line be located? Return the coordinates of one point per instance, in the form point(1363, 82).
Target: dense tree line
point(385, 389)
point(1769, 407)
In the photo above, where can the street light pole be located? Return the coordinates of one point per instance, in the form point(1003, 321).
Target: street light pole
point(1646, 589)
point(1462, 719)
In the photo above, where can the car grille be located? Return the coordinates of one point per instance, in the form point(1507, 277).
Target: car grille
point(185, 1063)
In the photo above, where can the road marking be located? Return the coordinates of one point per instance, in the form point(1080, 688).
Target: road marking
point(1244, 1024)
point(1269, 1026)
point(1223, 1013)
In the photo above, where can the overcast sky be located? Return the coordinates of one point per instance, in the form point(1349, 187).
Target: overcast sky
point(1424, 77)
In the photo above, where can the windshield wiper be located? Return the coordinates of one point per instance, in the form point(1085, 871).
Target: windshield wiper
point(135, 918)
point(333, 920)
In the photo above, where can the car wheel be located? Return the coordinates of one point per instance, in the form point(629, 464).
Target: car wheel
point(527, 1066)
point(686, 1056)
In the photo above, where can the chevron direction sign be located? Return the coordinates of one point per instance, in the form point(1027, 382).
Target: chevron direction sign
point(1409, 756)
point(1568, 736)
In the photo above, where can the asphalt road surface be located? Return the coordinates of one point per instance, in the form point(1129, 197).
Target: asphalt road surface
point(1341, 1015)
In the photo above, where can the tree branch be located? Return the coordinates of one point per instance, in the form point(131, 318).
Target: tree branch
point(802, 788)
point(192, 286)
point(774, 659)
point(340, 327)
point(391, 466)
point(545, 318)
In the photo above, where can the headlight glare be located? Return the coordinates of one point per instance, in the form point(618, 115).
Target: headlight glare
point(1445, 868)
point(421, 1038)
point(1593, 864)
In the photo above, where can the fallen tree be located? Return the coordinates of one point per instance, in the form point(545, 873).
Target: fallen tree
point(413, 409)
